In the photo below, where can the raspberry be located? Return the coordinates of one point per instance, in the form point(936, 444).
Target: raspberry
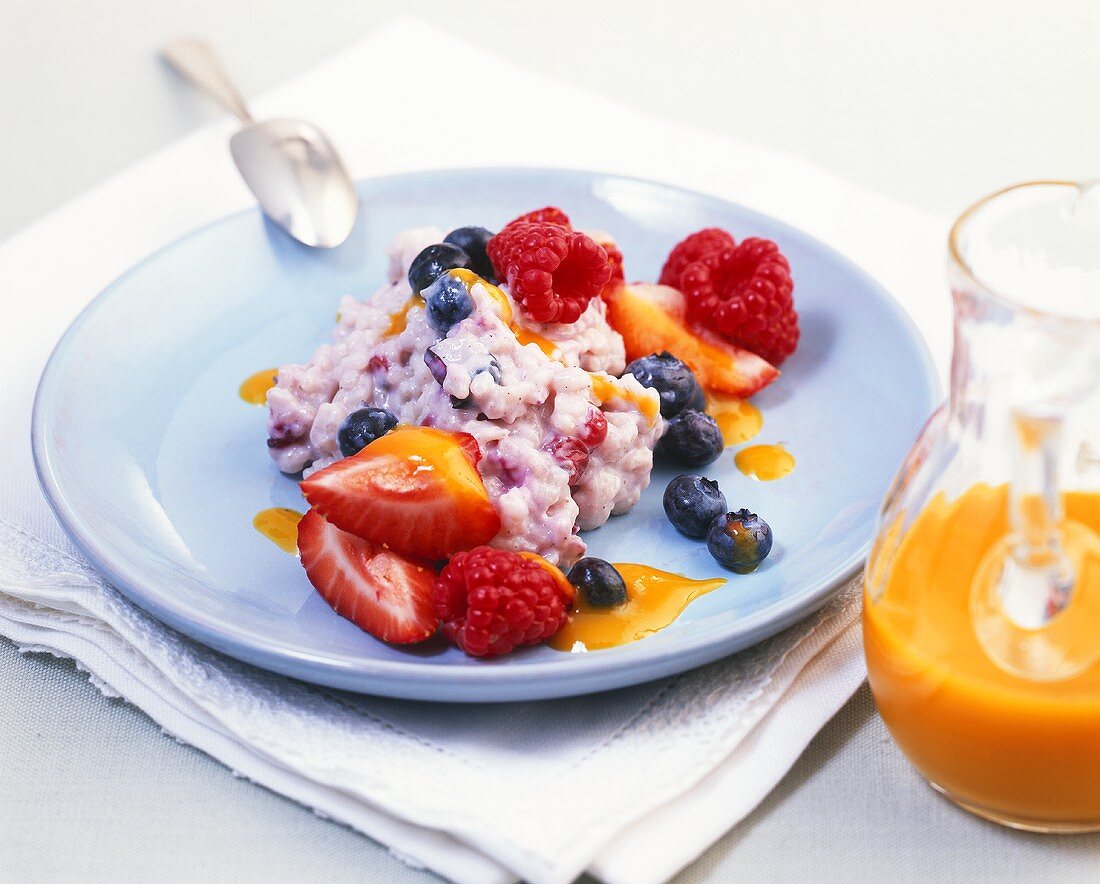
point(615, 259)
point(492, 601)
point(571, 455)
point(699, 245)
point(547, 215)
point(594, 430)
point(744, 293)
point(551, 271)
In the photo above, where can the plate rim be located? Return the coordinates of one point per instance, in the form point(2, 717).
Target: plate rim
point(413, 679)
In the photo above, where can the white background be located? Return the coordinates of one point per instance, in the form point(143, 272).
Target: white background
point(933, 102)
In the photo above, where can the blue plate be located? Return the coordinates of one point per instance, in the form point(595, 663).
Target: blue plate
point(156, 467)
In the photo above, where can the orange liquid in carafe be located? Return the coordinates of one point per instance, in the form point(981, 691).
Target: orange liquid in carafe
point(1017, 749)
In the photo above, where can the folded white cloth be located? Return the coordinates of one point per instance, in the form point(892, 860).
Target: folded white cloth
point(631, 785)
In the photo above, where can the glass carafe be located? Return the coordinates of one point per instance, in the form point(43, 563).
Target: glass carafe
point(982, 593)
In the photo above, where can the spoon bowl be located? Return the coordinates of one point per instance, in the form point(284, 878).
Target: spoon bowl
point(291, 166)
point(298, 178)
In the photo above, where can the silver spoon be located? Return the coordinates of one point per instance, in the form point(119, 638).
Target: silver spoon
point(290, 165)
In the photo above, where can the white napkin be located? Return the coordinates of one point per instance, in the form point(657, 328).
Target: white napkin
point(631, 785)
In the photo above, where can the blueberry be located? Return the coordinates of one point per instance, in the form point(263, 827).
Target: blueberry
point(427, 267)
point(598, 582)
point(677, 385)
point(447, 302)
point(692, 438)
point(692, 503)
point(740, 540)
point(473, 241)
point(436, 366)
point(493, 368)
point(362, 427)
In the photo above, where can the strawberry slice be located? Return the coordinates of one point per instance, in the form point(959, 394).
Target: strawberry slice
point(649, 317)
point(384, 593)
point(416, 490)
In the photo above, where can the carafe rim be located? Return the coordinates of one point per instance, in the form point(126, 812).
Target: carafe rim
point(962, 265)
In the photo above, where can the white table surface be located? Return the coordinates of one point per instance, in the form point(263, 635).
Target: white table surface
point(935, 102)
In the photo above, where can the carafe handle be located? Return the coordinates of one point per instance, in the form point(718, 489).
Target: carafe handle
point(1023, 592)
point(1037, 581)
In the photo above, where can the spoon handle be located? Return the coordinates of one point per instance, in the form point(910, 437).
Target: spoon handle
point(196, 61)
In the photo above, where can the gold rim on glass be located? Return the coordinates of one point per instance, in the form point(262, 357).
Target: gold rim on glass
point(960, 222)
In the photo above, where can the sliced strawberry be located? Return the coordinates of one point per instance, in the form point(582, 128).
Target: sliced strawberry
point(649, 319)
point(416, 490)
point(669, 299)
point(468, 444)
point(386, 594)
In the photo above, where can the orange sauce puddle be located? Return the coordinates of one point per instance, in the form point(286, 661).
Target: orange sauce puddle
point(654, 600)
point(253, 389)
point(279, 525)
point(765, 463)
point(738, 419)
